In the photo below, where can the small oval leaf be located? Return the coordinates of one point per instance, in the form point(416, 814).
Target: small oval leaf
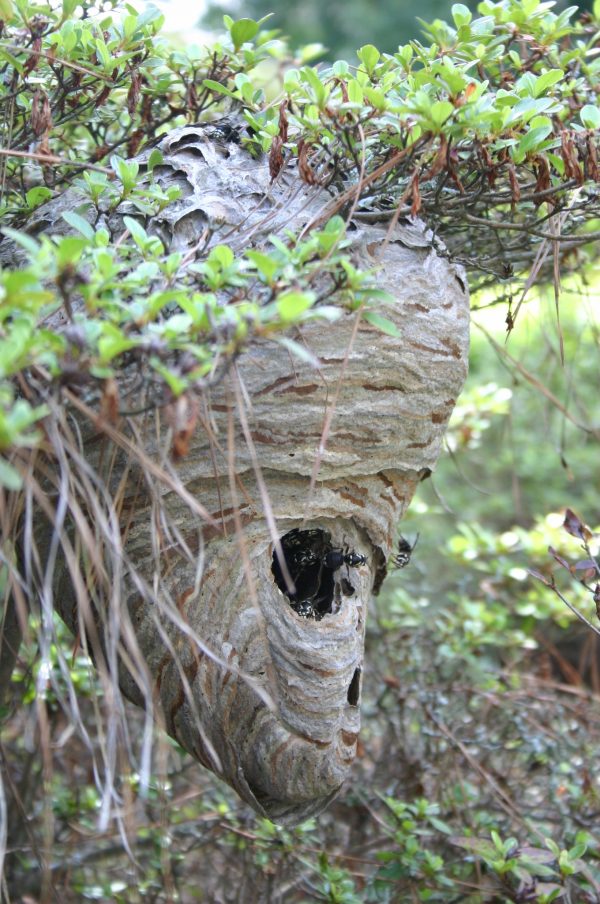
point(382, 323)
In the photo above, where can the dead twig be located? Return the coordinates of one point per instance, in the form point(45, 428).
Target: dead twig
point(56, 160)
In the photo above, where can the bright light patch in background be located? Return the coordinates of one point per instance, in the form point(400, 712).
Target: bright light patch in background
point(182, 16)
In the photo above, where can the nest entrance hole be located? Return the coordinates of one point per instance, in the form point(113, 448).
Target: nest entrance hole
point(305, 553)
point(354, 688)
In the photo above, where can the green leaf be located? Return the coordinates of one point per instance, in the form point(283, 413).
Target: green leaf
point(243, 30)
point(298, 350)
point(130, 23)
point(69, 250)
point(531, 140)
point(241, 82)
point(176, 384)
point(405, 53)
point(310, 52)
point(176, 325)
point(218, 87)
point(25, 241)
point(136, 230)
point(529, 107)
point(9, 476)
point(382, 323)
point(14, 62)
point(557, 162)
point(376, 98)
point(155, 159)
point(461, 14)
point(440, 111)
point(113, 342)
point(266, 265)
point(526, 84)
point(335, 226)
point(331, 234)
point(68, 37)
point(127, 171)
point(291, 79)
point(369, 56)
point(590, 116)
point(223, 255)
point(317, 85)
point(497, 840)
point(440, 825)
point(547, 80)
point(552, 846)
point(78, 223)
point(564, 864)
point(355, 92)
point(68, 8)
point(103, 55)
point(341, 69)
point(7, 10)
point(38, 195)
point(290, 305)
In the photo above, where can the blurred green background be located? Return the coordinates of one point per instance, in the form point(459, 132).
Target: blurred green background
point(344, 25)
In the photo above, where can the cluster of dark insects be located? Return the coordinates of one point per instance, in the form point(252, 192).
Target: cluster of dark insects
point(312, 561)
point(405, 551)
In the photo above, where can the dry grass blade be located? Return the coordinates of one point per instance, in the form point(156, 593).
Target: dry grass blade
point(137, 453)
point(329, 414)
point(3, 825)
point(239, 530)
point(110, 714)
point(555, 224)
point(502, 797)
point(531, 378)
point(96, 73)
point(56, 160)
point(575, 610)
point(349, 195)
point(264, 494)
point(86, 534)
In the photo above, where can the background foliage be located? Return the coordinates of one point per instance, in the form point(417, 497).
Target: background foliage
point(477, 777)
point(341, 27)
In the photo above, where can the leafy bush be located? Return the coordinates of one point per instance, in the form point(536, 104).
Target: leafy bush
point(486, 132)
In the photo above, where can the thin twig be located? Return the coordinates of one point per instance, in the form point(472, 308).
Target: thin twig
point(16, 48)
point(593, 431)
point(54, 159)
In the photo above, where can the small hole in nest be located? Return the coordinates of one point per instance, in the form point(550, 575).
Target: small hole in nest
point(354, 688)
point(347, 588)
point(305, 552)
point(189, 144)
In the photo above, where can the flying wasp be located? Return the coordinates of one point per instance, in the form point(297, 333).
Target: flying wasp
point(405, 551)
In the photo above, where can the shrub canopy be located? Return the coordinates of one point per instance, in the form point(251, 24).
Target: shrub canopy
point(490, 132)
